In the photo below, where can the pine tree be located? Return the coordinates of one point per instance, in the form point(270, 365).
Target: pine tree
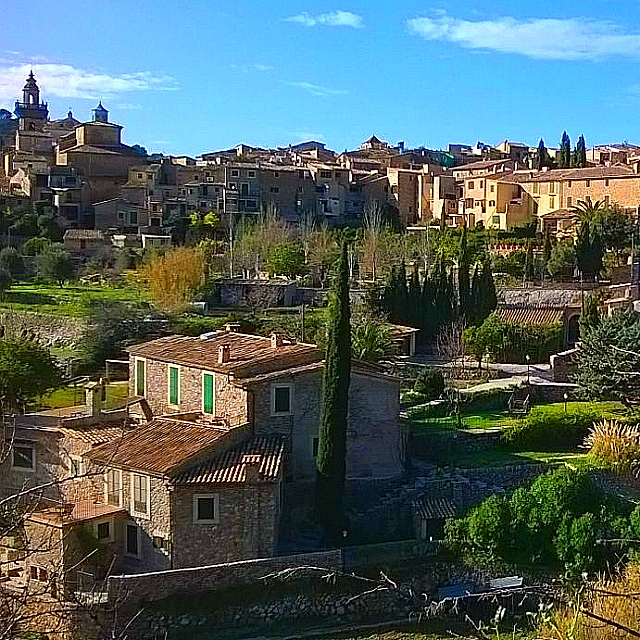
point(464, 267)
point(332, 446)
point(543, 157)
point(565, 151)
point(581, 153)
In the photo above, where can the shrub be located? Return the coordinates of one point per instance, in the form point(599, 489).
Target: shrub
point(550, 426)
point(430, 382)
point(412, 398)
point(487, 400)
point(615, 445)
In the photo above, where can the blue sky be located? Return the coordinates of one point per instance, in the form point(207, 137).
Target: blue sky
point(190, 77)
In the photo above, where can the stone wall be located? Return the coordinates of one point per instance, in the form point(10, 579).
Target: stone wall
point(50, 330)
point(159, 585)
point(247, 528)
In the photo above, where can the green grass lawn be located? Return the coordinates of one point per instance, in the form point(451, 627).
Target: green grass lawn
point(72, 396)
point(475, 420)
point(502, 458)
point(69, 300)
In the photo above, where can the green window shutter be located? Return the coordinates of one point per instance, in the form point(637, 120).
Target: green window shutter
point(173, 386)
point(207, 391)
point(140, 375)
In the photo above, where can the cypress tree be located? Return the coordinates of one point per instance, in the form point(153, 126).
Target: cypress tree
point(543, 157)
point(464, 267)
point(565, 151)
point(489, 298)
point(427, 305)
point(476, 294)
point(529, 271)
point(581, 153)
point(414, 298)
point(332, 446)
point(546, 252)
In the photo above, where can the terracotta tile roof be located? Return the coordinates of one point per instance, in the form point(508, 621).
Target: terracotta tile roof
point(158, 447)
point(249, 355)
point(481, 164)
point(569, 214)
point(434, 508)
point(530, 315)
point(73, 512)
point(95, 435)
point(588, 173)
point(230, 466)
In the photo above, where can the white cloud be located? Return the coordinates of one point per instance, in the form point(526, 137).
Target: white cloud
point(541, 38)
point(67, 81)
point(316, 89)
point(246, 68)
point(332, 19)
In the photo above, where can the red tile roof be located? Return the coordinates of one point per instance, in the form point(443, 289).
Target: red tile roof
point(525, 315)
point(159, 447)
point(230, 467)
point(249, 354)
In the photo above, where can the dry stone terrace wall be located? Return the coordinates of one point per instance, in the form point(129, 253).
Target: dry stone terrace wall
point(159, 585)
point(50, 330)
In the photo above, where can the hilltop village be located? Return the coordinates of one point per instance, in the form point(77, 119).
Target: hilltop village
point(295, 389)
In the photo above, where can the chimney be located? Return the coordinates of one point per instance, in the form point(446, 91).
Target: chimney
point(93, 398)
point(224, 353)
point(251, 464)
point(276, 340)
point(232, 327)
point(636, 167)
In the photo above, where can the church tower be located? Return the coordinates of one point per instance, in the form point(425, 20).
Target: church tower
point(100, 114)
point(31, 112)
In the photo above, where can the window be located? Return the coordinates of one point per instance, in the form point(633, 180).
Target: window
point(569, 201)
point(569, 183)
point(325, 174)
point(481, 183)
point(300, 189)
point(208, 393)
point(552, 187)
point(133, 217)
point(141, 377)
point(103, 531)
point(235, 173)
point(76, 468)
point(276, 174)
point(161, 544)
point(588, 183)
point(274, 189)
point(471, 185)
point(206, 508)
point(492, 188)
point(496, 220)
point(113, 487)
point(24, 456)
point(205, 191)
point(140, 498)
point(33, 572)
point(233, 186)
point(133, 540)
point(301, 174)
point(251, 205)
point(552, 202)
point(492, 203)
point(606, 182)
point(139, 176)
point(174, 386)
point(252, 174)
point(315, 445)
point(536, 187)
point(607, 201)
point(281, 399)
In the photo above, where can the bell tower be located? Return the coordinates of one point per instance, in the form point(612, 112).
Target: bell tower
point(31, 112)
point(100, 114)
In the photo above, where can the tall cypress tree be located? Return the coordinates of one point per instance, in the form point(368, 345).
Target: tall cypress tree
point(332, 446)
point(489, 298)
point(546, 252)
point(476, 294)
point(543, 157)
point(529, 270)
point(565, 151)
point(464, 267)
point(414, 311)
point(581, 153)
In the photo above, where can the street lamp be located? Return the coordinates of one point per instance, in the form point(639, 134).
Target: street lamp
point(528, 359)
point(566, 397)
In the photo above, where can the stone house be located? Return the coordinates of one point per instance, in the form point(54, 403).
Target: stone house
point(274, 385)
point(185, 481)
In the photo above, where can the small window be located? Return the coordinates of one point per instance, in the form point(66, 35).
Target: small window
point(536, 187)
point(569, 201)
point(141, 376)
point(481, 184)
point(471, 185)
point(206, 508)
point(300, 189)
point(140, 176)
point(160, 543)
point(492, 203)
point(496, 220)
point(276, 174)
point(588, 183)
point(113, 487)
point(492, 188)
point(174, 386)
point(606, 182)
point(325, 174)
point(552, 187)
point(607, 201)
point(76, 468)
point(33, 572)
point(235, 173)
point(208, 393)
point(24, 457)
point(552, 202)
point(133, 540)
point(252, 174)
point(281, 399)
point(103, 531)
point(569, 183)
point(140, 499)
point(275, 189)
point(315, 445)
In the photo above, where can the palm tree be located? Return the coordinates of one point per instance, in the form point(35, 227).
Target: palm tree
point(371, 341)
point(587, 210)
